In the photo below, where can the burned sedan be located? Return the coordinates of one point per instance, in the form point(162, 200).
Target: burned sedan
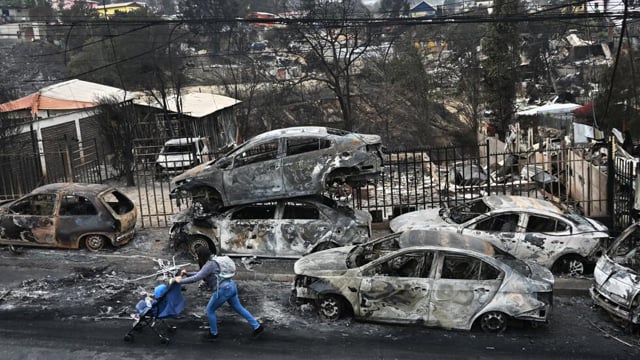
point(425, 277)
point(616, 281)
point(283, 228)
point(282, 163)
point(527, 228)
point(69, 215)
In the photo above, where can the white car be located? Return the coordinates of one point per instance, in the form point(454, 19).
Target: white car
point(616, 282)
point(527, 228)
point(425, 277)
point(178, 155)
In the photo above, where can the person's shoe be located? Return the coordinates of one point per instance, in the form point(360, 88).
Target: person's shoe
point(258, 331)
point(209, 336)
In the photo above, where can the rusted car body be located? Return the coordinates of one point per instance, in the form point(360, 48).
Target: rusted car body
point(527, 228)
point(286, 228)
point(69, 215)
point(282, 163)
point(431, 278)
point(616, 285)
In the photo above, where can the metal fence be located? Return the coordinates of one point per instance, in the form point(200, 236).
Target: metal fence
point(28, 167)
point(580, 178)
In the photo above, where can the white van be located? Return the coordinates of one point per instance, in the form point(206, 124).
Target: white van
point(178, 155)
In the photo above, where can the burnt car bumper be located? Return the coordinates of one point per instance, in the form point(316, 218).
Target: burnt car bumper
point(124, 238)
point(616, 307)
point(301, 292)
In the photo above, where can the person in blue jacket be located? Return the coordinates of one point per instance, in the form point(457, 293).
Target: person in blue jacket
point(224, 290)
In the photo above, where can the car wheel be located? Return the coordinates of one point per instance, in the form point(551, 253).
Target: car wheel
point(94, 242)
point(572, 265)
point(331, 307)
point(493, 322)
point(203, 207)
point(197, 241)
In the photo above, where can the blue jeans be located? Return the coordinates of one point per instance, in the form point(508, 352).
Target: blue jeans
point(227, 292)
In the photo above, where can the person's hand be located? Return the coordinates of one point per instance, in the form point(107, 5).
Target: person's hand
point(183, 272)
point(177, 279)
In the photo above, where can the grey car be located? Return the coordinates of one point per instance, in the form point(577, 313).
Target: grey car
point(286, 228)
point(424, 277)
point(616, 286)
point(282, 163)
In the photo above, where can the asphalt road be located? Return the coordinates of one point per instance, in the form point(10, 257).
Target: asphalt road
point(57, 304)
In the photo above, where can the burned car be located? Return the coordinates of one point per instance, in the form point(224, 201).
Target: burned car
point(616, 285)
point(282, 163)
point(282, 228)
point(425, 277)
point(69, 215)
point(527, 228)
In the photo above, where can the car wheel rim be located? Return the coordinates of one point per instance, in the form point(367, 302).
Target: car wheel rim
point(94, 243)
point(196, 243)
point(575, 267)
point(493, 322)
point(329, 308)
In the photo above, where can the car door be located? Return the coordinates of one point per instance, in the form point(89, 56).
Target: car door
point(31, 221)
point(303, 227)
point(543, 237)
point(304, 164)
point(397, 288)
point(250, 230)
point(78, 215)
point(500, 229)
point(463, 284)
point(256, 173)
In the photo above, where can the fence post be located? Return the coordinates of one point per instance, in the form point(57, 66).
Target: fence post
point(611, 178)
point(67, 154)
point(488, 167)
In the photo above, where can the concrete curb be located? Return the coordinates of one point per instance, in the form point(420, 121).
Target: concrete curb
point(570, 286)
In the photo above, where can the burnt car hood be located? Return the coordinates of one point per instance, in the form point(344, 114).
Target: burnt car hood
point(194, 171)
point(326, 262)
point(421, 219)
point(617, 282)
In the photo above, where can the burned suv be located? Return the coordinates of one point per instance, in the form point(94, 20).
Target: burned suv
point(282, 163)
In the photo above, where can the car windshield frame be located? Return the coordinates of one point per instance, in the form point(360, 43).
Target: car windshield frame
point(623, 236)
point(517, 265)
point(361, 249)
point(457, 213)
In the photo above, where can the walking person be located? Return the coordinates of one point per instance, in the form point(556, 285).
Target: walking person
point(217, 273)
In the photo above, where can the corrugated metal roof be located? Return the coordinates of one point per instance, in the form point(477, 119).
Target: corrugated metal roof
point(83, 91)
point(193, 104)
point(69, 95)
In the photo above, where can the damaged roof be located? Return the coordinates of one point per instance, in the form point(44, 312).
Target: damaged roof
point(69, 95)
point(193, 104)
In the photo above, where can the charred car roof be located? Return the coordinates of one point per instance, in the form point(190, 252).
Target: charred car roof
point(414, 238)
point(77, 188)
